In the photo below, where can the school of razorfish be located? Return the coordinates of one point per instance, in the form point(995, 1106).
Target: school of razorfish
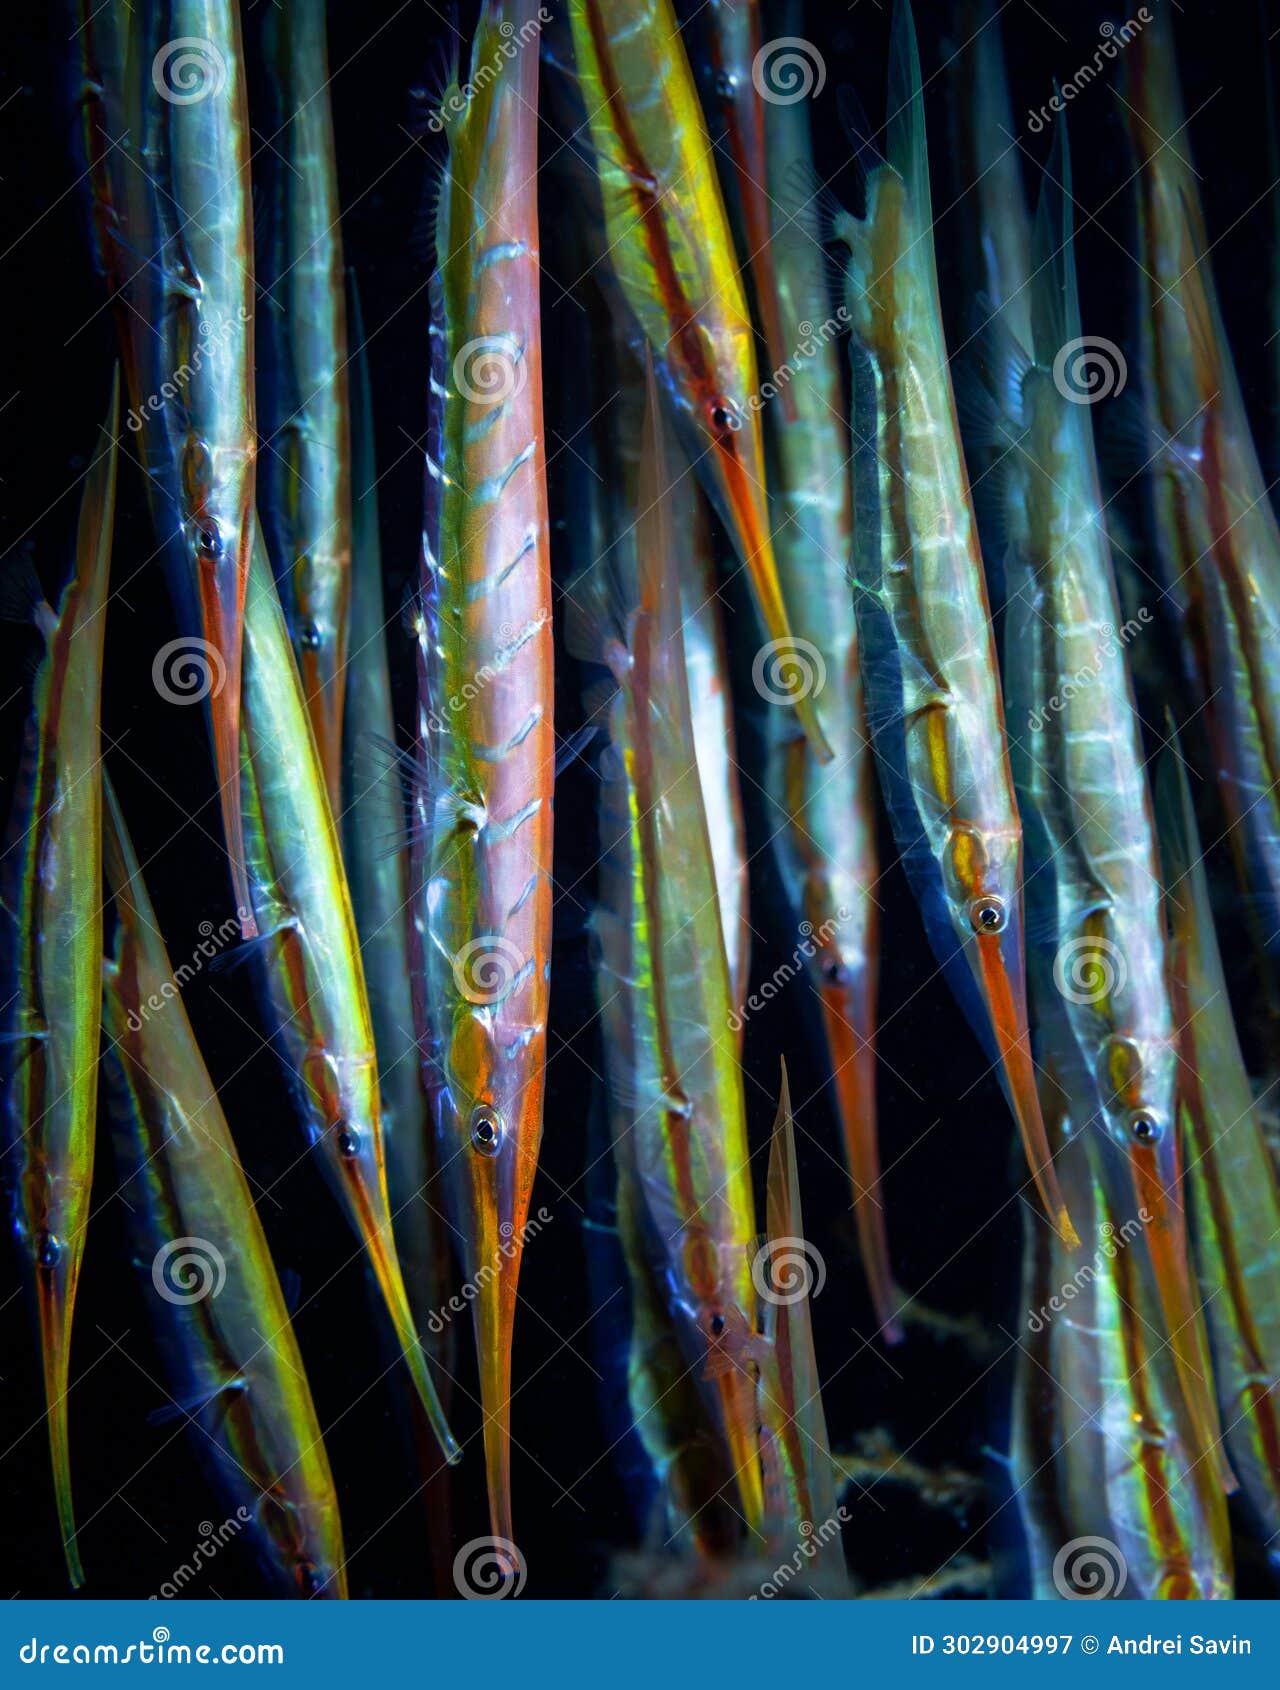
point(952, 666)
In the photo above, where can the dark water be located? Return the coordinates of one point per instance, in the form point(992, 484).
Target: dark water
point(952, 1186)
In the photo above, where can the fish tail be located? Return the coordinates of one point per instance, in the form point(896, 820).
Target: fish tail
point(55, 1339)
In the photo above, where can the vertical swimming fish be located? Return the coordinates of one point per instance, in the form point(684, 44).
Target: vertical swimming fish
point(309, 957)
point(222, 1327)
point(669, 244)
point(482, 875)
point(1080, 775)
point(1232, 1195)
point(52, 924)
point(672, 1053)
point(928, 654)
point(304, 468)
point(825, 830)
point(176, 169)
point(1217, 527)
point(377, 870)
point(1113, 1495)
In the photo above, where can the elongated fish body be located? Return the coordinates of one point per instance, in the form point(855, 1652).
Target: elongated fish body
point(744, 65)
point(305, 468)
point(927, 649)
point(222, 1327)
point(310, 956)
point(1216, 522)
point(484, 892)
point(178, 173)
point(795, 1456)
point(989, 166)
point(670, 246)
point(1080, 775)
point(824, 833)
point(1122, 1451)
point(1231, 1187)
point(671, 1049)
point(377, 871)
point(52, 924)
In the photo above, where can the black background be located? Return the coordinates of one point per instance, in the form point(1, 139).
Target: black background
point(952, 1185)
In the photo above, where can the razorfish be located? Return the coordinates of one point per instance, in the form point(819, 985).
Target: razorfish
point(222, 1328)
point(1217, 528)
point(175, 164)
point(663, 977)
point(745, 66)
point(824, 831)
point(1080, 775)
point(52, 925)
point(1232, 1195)
point(669, 244)
point(706, 654)
point(305, 471)
point(927, 649)
point(377, 871)
point(309, 956)
point(1113, 1496)
point(795, 1456)
point(482, 874)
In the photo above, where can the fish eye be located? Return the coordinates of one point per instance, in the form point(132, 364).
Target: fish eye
point(1145, 1126)
point(726, 82)
point(308, 1579)
point(309, 637)
point(486, 1130)
point(209, 539)
point(716, 1325)
point(834, 971)
point(724, 415)
point(348, 1141)
point(988, 915)
point(48, 1250)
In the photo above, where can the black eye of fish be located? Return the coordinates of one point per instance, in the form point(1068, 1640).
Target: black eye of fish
point(486, 1130)
point(308, 1578)
point(725, 84)
point(717, 1324)
point(348, 1142)
point(209, 540)
point(987, 915)
point(309, 637)
point(1145, 1126)
point(48, 1250)
point(724, 416)
point(833, 971)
